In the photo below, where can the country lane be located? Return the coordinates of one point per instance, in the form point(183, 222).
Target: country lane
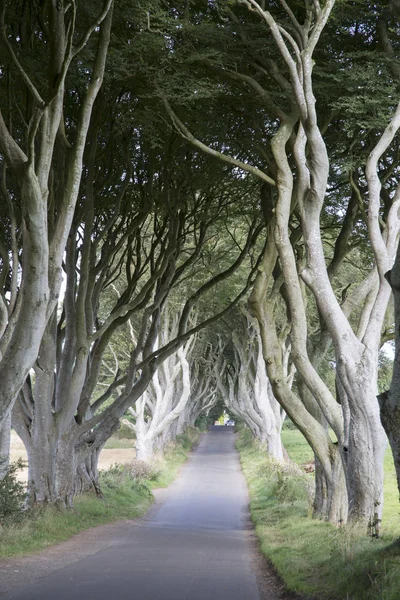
point(193, 546)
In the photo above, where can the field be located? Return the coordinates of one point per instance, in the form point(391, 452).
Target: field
point(116, 451)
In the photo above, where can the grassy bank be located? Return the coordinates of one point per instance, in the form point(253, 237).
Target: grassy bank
point(314, 557)
point(127, 495)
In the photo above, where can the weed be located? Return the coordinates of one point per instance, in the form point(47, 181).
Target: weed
point(141, 469)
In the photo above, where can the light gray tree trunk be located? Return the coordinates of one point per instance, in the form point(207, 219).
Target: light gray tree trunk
point(144, 443)
point(171, 393)
point(329, 503)
point(390, 400)
point(269, 409)
point(5, 438)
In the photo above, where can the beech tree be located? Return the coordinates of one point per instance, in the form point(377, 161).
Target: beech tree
point(178, 393)
point(242, 382)
point(297, 170)
point(203, 393)
point(167, 395)
point(389, 399)
point(41, 166)
point(144, 218)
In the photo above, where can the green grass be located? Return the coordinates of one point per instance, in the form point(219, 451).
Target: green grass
point(311, 556)
point(174, 457)
point(296, 446)
point(124, 498)
point(49, 525)
point(115, 442)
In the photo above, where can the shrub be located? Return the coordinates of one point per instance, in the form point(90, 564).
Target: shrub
point(288, 482)
point(125, 432)
point(113, 477)
point(288, 424)
point(188, 438)
point(12, 493)
point(290, 488)
point(118, 480)
point(141, 469)
point(202, 423)
point(246, 438)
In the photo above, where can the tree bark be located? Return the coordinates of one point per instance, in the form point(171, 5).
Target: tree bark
point(5, 438)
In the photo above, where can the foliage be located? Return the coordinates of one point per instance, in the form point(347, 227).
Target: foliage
point(385, 372)
point(125, 433)
point(202, 422)
point(287, 482)
point(174, 456)
point(12, 494)
point(216, 411)
point(288, 424)
point(188, 438)
point(290, 483)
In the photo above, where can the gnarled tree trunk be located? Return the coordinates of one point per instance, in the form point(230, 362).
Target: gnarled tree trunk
point(5, 438)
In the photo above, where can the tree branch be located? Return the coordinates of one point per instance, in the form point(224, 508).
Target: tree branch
point(185, 133)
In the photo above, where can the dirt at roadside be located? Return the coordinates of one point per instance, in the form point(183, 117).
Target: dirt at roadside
point(268, 580)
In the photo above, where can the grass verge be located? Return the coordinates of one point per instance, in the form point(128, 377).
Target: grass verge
point(127, 495)
point(314, 557)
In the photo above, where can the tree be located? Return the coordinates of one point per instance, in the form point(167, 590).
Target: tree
point(243, 384)
point(167, 395)
point(145, 216)
point(41, 167)
point(298, 169)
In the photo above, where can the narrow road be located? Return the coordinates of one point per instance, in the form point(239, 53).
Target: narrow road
point(193, 546)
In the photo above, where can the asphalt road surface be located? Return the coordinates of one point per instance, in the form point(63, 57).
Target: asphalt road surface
point(193, 546)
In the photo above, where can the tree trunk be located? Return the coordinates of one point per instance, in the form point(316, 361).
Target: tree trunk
point(52, 469)
point(144, 447)
point(41, 472)
point(364, 471)
point(182, 422)
point(87, 475)
point(320, 504)
point(364, 439)
point(390, 415)
point(144, 442)
point(390, 401)
point(5, 438)
point(326, 505)
point(268, 407)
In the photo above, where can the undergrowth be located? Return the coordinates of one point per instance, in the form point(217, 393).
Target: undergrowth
point(12, 492)
point(314, 557)
point(127, 495)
